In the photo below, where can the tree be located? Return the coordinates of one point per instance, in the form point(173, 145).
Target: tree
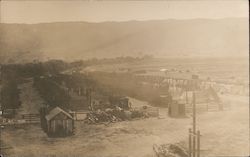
point(10, 95)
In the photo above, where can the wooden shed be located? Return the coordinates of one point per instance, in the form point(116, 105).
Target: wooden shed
point(119, 101)
point(59, 123)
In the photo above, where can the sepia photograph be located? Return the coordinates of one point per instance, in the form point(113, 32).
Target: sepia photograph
point(124, 78)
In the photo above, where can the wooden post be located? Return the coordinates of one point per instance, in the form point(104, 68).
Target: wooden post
point(186, 96)
point(190, 142)
point(207, 105)
point(79, 91)
point(198, 143)
point(194, 125)
point(194, 145)
point(90, 98)
point(158, 112)
point(89, 91)
point(0, 140)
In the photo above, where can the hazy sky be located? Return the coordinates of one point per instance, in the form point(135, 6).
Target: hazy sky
point(50, 11)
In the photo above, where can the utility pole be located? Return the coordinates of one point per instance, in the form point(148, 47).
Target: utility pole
point(190, 148)
point(198, 143)
point(194, 136)
point(194, 124)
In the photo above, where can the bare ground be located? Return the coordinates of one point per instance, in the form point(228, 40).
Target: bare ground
point(224, 133)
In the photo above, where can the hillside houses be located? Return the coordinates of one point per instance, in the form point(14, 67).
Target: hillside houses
point(185, 81)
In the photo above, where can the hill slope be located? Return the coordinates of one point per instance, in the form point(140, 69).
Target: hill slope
point(81, 40)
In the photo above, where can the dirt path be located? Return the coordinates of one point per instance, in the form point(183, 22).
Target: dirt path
point(31, 100)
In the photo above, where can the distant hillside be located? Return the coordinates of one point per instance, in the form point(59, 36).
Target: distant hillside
point(161, 38)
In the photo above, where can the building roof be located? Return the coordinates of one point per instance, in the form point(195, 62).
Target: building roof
point(55, 112)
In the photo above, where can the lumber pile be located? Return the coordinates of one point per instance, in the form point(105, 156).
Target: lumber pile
point(113, 115)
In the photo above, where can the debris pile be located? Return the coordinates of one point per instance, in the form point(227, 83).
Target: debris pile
point(113, 115)
point(170, 150)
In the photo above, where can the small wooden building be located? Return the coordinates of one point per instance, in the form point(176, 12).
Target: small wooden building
point(59, 123)
point(119, 101)
point(124, 103)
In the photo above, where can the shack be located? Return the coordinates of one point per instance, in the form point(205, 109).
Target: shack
point(120, 101)
point(59, 123)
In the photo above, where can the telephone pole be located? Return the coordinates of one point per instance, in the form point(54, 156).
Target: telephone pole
point(194, 124)
point(194, 135)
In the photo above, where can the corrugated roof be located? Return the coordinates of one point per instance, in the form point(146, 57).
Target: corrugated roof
point(55, 112)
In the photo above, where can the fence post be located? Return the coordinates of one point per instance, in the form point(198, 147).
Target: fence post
point(190, 142)
point(158, 112)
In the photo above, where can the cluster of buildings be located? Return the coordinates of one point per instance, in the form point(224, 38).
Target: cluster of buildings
point(182, 87)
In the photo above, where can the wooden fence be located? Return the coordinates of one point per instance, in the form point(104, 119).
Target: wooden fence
point(150, 111)
point(31, 118)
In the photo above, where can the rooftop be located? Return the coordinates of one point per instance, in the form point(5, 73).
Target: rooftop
point(55, 112)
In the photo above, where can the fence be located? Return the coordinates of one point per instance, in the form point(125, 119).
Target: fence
point(150, 111)
point(79, 115)
point(31, 118)
point(203, 107)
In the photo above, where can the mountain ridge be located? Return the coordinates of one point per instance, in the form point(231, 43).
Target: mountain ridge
point(161, 38)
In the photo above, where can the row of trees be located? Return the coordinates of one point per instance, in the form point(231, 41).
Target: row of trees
point(48, 80)
point(10, 95)
point(53, 94)
point(9, 92)
point(124, 84)
point(123, 59)
point(34, 69)
point(14, 74)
